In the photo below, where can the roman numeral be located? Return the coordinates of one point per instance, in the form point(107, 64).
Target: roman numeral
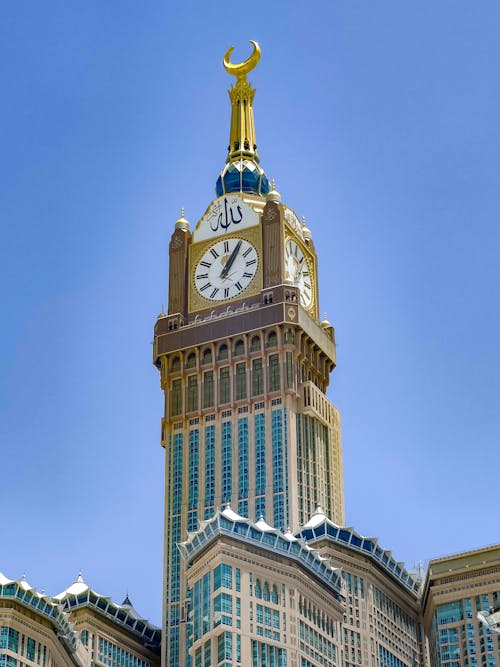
point(251, 261)
point(247, 252)
point(200, 276)
point(206, 286)
point(214, 252)
point(226, 246)
point(247, 275)
point(238, 285)
point(307, 285)
point(212, 296)
point(206, 264)
point(226, 292)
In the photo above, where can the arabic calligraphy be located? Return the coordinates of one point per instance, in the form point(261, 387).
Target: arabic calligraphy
point(226, 217)
point(226, 214)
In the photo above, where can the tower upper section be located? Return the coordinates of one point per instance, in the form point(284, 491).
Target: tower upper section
point(242, 172)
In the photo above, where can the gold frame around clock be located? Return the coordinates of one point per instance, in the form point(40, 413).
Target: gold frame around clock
point(311, 265)
point(196, 301)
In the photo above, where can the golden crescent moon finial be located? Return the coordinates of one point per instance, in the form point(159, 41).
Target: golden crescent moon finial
point(241, 69)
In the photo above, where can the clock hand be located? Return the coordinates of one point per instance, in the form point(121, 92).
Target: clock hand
point(231, 259)
point(229, 276)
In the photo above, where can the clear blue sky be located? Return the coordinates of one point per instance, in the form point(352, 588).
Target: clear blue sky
point(380, 122)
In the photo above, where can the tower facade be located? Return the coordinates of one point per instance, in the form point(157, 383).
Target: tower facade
point(244, 363)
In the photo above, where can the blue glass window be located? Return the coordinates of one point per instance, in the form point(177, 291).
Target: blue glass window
point(243, 470)
point(260, 454)
point(194, 473)
point(209, 469)
point(223, 576)
point(227, 461)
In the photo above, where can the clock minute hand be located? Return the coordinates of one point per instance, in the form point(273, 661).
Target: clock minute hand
point(231, 259)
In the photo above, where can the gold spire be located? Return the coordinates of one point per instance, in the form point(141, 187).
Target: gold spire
point(242, 142)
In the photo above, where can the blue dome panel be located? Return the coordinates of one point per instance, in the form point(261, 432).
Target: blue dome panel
point(264, 185)
point(232, 180)
point(251, 179)
point(219, 190)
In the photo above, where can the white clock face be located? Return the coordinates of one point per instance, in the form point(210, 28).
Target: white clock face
point(226, 269)
point(297, 272)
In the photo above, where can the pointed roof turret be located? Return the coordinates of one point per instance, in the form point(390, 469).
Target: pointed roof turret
point(77, 588)
point(126, 602)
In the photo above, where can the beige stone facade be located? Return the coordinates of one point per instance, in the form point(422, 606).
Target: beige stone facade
point(457, 588)
point(76, 628)
point(261, 598)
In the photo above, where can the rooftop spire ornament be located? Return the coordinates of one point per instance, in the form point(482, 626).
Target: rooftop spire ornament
point(242, 172)
point(240, 70)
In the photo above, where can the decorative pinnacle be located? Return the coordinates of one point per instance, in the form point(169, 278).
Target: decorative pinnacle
point(240, 70)
point(303, 221)
point(182, 211)
point(242, 141)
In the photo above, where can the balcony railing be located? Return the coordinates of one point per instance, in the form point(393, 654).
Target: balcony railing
point(315, 403)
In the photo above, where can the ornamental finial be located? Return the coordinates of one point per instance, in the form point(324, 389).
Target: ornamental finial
point(242, 172)
point(240, 70)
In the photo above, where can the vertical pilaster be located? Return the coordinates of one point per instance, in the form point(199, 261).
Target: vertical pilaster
point(273, 244)
point(178, 271)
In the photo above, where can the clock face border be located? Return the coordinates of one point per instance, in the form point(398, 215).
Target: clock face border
point(196, 301)
point(238, 261)
point(311, 308)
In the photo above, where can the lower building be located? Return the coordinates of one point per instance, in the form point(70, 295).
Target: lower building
point(457, 590)
point(260, 597)
point(78, 628)
point(322, 597)
point(381, 625)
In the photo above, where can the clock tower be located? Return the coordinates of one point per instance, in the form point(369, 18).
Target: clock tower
point(244, 363)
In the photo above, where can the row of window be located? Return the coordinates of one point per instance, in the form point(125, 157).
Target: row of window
point(26, 646)
point(238, 350)
point(240, 388)
point(114, 656)
point(316, 645)
point(267, 655)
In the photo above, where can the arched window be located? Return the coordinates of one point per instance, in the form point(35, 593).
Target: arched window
point(239, 348)
point(191, 360)
point(207, 356)
point(255, 344)
point(258, 590)
point(192, 393)
point(265, 593)
point(274, 595)
point(272, 339)
point(222, 353)
point(175, 365)
point(274, 372)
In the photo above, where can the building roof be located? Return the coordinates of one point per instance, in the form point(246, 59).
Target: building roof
point(320, 527)
point(21, 592)
point(79, 594)
point(261, 534)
